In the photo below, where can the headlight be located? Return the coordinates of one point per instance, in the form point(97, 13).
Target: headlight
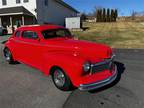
point(86, 67)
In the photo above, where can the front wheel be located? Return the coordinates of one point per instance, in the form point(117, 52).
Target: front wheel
point(61, 80)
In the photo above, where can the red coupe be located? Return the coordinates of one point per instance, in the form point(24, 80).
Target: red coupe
point(54, 51)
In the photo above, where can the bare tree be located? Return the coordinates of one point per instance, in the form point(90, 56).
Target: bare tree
point(95, 10)
point(133, 15)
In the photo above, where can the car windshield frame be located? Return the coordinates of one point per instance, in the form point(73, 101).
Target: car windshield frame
point(46, 36)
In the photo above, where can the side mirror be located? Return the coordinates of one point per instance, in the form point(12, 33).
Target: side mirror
point(38, 39)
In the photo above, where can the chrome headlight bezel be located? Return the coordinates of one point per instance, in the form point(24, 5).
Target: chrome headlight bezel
point(86, 67)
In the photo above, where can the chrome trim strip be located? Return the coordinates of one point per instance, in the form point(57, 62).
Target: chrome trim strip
point(104, 62)
point(99, 84)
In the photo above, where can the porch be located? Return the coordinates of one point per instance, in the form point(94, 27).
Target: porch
point(15, 17)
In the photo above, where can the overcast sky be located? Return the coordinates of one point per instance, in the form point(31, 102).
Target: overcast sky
point(125, 7)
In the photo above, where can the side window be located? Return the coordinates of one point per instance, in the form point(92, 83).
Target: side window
point(29, 35)
point(17, 34)
point(49, 34)
point(60, 33)
point(63, 33)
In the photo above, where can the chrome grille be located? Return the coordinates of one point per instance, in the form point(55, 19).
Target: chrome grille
point(101, 66)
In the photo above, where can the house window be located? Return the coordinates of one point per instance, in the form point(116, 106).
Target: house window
point(46, 2)
point(18, 1)
point(25, 1)
point(4, 2)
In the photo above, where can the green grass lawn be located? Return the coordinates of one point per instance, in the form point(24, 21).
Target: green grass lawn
point(117, 35)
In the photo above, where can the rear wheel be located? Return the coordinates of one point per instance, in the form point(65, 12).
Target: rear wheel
point(61, 80)
point(8, 56)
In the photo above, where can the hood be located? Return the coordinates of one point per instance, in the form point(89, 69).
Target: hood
point(89, 50)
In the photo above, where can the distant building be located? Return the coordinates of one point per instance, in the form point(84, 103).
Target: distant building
point(130, 18)
point(91, 19)
point(27, 12)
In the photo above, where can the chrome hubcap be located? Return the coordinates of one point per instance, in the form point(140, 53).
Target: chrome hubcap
point(7, 55)
point(59, 78)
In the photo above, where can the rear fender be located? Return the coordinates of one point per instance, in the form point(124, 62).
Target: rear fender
point(9, 45)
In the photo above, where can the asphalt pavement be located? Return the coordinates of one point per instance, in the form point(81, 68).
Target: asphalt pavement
point(127, 93)
point(24, 87)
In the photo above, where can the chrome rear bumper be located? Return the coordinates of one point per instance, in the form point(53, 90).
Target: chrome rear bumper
point(99, 84)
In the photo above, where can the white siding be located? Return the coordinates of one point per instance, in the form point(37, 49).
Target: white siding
point(53, 13)
point(31, 5)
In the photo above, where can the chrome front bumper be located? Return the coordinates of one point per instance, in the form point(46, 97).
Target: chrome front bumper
point(99, 84)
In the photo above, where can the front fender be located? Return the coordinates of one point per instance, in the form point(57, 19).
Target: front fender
point(71, 65)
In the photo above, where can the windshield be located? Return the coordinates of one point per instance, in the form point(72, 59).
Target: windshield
point(56, 33)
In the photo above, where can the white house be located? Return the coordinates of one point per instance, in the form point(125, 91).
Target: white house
point(26, 12)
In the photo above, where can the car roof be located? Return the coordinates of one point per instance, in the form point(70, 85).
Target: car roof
point(40, 27)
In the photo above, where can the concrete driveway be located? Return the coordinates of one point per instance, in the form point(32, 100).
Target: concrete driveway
point(24, 87)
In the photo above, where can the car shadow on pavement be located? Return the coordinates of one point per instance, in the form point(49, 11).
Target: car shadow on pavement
point(15, 63)
point(120, 68)
point(99, 98)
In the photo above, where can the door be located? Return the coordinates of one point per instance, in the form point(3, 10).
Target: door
point(31, 49)
point(16, 45)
